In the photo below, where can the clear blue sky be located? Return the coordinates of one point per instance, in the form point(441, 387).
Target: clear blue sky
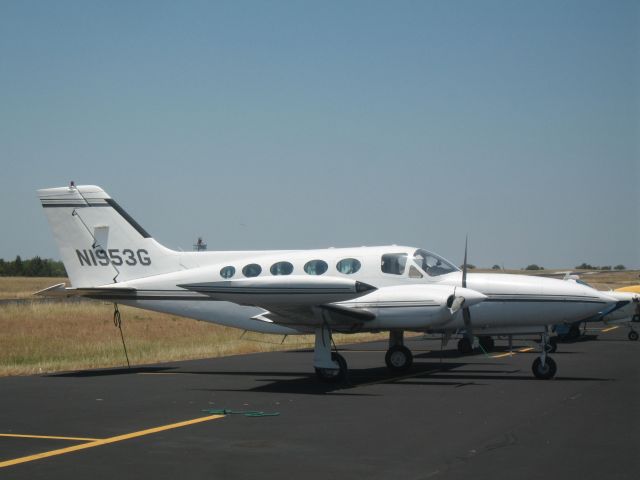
point(263, 125)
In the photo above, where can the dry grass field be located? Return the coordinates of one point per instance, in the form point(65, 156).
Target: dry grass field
point(24, 287)
point(42, 337)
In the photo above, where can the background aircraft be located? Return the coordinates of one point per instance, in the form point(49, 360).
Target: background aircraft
point(109, 256)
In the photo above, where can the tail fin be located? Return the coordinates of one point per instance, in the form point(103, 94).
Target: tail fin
point(98, 241)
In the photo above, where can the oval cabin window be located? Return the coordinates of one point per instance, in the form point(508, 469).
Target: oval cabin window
point(281, 268)
point(252, 270)
point(348, 266)
point(316, 267)
point(227, 272)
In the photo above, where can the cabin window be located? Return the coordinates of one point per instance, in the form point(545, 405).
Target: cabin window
point(316, 267)
point(393, 263)
point(348, 266)
point(227, 272)
point(252, 270)
point(281, 268)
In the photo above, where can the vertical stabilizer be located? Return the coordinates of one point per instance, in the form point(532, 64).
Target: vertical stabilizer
point(99, 242)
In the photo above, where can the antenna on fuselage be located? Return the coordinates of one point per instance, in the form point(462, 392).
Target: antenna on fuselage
point(199, 246)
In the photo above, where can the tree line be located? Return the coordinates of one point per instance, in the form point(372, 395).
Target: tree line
point(32, 267)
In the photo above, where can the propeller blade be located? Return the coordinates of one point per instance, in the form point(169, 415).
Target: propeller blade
point(466, 314)
point(464, 265)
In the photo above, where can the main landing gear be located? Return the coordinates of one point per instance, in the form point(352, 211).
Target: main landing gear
point(330, 366)
point(544, 367)
point(398, 358)
point(633, 335)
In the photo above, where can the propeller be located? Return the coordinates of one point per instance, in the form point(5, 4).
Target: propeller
point(466, 315)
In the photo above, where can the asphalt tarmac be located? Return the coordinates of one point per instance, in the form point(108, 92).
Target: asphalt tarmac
point(479, 416)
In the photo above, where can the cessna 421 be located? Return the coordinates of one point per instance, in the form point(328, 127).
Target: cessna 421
point(109, 256)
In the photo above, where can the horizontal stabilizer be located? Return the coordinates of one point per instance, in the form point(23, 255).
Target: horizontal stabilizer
point(107, 293)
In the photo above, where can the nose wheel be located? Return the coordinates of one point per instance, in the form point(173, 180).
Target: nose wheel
point(399, 358)
point(544, 371)
point(544, 367)
point(633, 336)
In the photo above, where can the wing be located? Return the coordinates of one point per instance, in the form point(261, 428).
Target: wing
point(291, 290)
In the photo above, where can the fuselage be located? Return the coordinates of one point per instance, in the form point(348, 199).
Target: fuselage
point(512, 300)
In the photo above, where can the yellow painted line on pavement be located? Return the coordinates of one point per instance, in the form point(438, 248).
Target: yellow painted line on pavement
point(508, 354)
point(106, 441)
point(48, 437)
point(609, 329)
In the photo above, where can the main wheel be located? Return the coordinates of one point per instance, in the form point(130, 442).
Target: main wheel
point(399, 358)
point(633, 336)
point(486, 343)
point(333, 375)
point(546, 372)
point(464, 346)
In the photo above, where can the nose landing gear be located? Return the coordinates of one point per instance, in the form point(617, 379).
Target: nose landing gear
point(544, 367)
point(398, 358)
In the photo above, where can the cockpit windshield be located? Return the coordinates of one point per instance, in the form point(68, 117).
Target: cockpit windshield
point(432, 264)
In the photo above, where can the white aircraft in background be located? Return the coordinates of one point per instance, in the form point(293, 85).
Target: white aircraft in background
point(628, 313)
point(109, 256)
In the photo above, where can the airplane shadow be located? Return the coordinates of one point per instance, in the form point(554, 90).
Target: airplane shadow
point(111, 371)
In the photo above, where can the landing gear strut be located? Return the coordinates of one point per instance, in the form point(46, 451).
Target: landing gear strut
point(464, 346)
point(486, 343)
point(330, 366)
point(544, 367)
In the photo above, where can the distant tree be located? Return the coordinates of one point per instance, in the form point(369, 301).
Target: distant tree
point(17, 266)
point(620, 267)
point(533, 266)
point(35, 267)
point(469, 266)
point(496, 267)
point(584, 266)
point(605, 267)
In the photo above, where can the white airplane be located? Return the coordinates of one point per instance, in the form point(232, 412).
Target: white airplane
point(628, 314)
point(625, 312)
point(109, 256)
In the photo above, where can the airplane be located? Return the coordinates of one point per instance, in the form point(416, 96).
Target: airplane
point(626, 312)
point(109, 256)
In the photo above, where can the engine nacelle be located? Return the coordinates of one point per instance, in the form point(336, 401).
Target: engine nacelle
point(413, 306)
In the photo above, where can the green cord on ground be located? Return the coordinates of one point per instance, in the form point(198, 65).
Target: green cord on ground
point(246, 413)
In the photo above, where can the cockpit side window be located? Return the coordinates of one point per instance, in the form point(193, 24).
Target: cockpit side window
point(432, 264)
point(393, 263)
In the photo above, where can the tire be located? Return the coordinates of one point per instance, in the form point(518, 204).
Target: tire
point(487, 343)
point(546, 372)
point(399, 358)
point(464, 346)
point(633, 336)
point(331, 375)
